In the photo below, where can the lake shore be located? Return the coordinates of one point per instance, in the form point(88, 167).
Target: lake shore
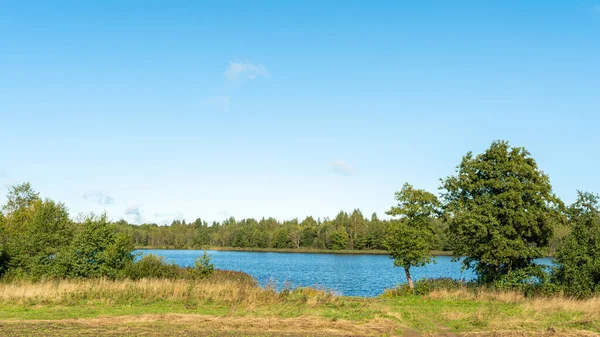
point(294, 250)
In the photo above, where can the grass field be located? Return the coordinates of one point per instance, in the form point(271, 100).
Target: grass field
point(232, 305)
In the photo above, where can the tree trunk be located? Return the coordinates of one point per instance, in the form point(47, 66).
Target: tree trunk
point(409, 279)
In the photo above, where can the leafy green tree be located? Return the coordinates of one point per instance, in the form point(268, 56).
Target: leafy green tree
point(500, 207)
point(47, 232)
point(18, 212)
point(357, 230)
point(309, 231)
point(20, 197)
point(578, 257)
point(376, 233)
point(409, 239)
point(96, 250)
point(32, 232)
point(339, 239)
point(281, 238)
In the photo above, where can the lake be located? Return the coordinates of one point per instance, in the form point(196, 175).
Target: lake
point(347, 274)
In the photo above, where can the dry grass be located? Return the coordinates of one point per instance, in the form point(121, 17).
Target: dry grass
point(481, 295)
point(554, 303)
point(214, 289)
point(305, 326)
point(229, 302)
point(559, 310)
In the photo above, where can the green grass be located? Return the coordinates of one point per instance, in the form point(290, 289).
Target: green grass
point(219, 308)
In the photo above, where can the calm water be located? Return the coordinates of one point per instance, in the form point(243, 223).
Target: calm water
point(352, 275)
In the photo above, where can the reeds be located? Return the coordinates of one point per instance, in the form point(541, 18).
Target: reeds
point(222, 286)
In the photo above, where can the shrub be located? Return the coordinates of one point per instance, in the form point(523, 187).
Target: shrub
point(578, 256)
point(152, 266)
point(202, 267)
point(533, 281)
point(426, 286)
point(530, 288)
point(4, 262)
point(96, 251)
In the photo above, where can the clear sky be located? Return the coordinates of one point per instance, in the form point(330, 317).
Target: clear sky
point(155, 110)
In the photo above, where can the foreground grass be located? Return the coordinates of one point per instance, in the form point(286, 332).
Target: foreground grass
point(232, 305)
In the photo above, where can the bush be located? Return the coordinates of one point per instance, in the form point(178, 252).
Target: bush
point(152, 266)
point(426, 286)
point(203, 267)
point(96, 251)
point(578, 257)
point(532, 281)
point(4, 262)
point(531, 288)
point(221, 276)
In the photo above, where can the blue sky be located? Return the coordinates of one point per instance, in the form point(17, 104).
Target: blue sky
point(154, 110)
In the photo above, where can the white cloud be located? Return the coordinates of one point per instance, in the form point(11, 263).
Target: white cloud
point(341, 167)
point(239, 71)
point(99, 198)
point(135, 212)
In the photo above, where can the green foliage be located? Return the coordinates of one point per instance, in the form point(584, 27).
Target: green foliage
point(408, 246)
point(578, 257)
point(500, 207)
point(20, 197)
point(4, 257)
point(514, 283)
point(96, 250)
point(203, 268)
point(4, 262)
point(38, 240)
point(409, 240)
point(339, 239)
point(531, 281)
point(33, 232)
point(345, 231)
point(152, 266)
point(426, 286)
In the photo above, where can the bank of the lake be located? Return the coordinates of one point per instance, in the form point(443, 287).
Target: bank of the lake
point(293, 250)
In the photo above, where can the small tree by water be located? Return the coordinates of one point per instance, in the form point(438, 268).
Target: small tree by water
point(203, 267)
point(409, 240)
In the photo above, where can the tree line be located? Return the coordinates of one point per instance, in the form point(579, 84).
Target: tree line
point(497, 213)
point(348, 231)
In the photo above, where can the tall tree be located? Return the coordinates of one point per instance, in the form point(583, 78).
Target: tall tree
point(409, 239)
point(20, 197)
point(499, 205)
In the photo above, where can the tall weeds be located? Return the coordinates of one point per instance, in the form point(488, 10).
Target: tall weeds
point(221, 286)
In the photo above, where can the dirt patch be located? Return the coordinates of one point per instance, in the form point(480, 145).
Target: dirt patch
point(192, 325)
point(182, 325)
